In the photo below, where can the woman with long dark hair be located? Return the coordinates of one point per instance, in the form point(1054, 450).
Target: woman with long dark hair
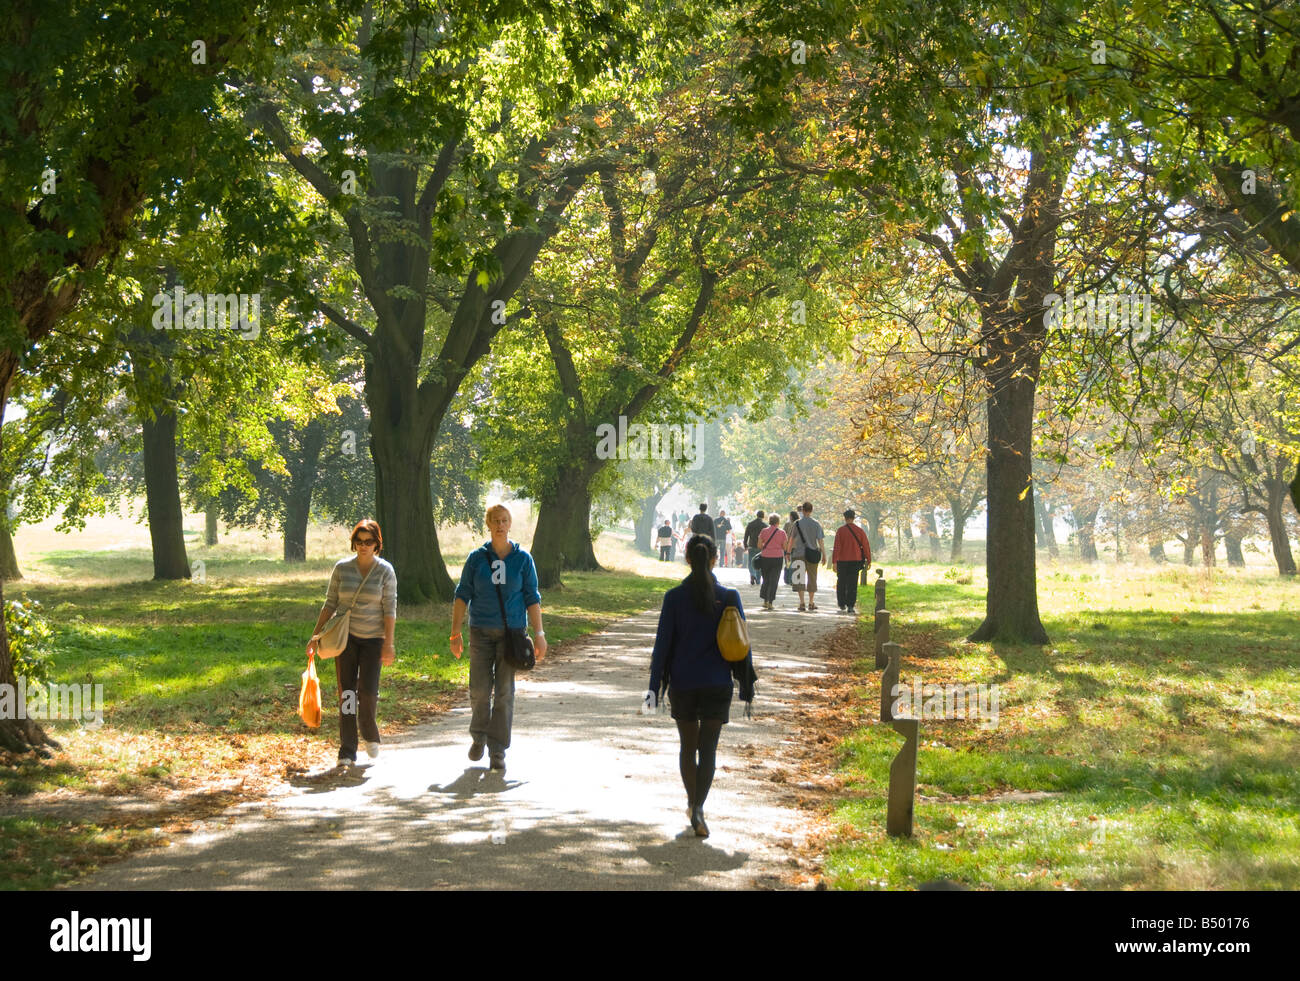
point(367, 585)
point(689, 666)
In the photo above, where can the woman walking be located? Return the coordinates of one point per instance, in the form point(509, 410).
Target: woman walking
point(369, 586)
point(771, 560)
point(500, 573)
point(688, 663)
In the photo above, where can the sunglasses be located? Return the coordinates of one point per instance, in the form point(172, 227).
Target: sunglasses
point(363, 541)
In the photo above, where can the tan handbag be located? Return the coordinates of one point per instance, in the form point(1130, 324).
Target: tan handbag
point(733, 635)
point(334, 635)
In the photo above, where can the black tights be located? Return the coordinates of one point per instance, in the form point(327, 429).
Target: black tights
point(702, 738)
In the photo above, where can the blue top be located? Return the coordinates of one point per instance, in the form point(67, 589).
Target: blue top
point(519, 586)
point(686, 644)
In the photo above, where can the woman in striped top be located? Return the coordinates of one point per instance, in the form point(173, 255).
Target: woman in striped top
point(370, 636)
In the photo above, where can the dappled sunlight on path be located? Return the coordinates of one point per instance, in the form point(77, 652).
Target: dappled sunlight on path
point(590, 798)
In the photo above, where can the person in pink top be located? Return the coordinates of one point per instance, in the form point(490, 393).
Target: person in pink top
point(771, 559)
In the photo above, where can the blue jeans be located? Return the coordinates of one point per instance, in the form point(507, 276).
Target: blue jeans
point(491, 689)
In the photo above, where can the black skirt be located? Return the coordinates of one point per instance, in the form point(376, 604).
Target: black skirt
point(695, 704)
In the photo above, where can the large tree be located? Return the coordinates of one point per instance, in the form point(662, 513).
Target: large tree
point(99, 109)
point(658, 303)
point(448, 145)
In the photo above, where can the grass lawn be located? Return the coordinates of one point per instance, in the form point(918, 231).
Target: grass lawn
point(1152, 745)
point(201, 683)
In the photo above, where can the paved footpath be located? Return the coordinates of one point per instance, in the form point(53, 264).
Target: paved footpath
point(590, 799)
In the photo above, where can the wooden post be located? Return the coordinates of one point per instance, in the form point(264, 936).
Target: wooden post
point(881, 637)
point(902, 780)
point(888, 680)
point(880, 589)
point(902, 770)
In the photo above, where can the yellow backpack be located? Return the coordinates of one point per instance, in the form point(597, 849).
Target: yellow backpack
point(733, 635)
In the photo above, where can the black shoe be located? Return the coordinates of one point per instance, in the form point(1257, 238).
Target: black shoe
point(476, 750)
point(697, 822)
point(497, 761)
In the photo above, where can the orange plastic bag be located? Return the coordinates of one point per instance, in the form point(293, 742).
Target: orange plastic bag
point(309, 700)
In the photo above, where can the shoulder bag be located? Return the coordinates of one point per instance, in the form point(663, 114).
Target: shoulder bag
point(334, 635)
point(733, 635)
point(810, 554)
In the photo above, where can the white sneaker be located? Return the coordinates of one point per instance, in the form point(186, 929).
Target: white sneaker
point(372, 749)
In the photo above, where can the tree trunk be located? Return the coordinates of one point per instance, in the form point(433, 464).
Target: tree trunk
point(404, 502)
point(210, 524)
point(9, 570)
point(1156, 549)
point(1277, 492)
point(155, 395)
point(295, 530)
point(1046, 533)
point(1012, 601)
point(958, 530)
point(1085, 524)
point(1189, 547)
point(932, 530)
point(646, 524)
point(1232, 544)
point(908, 537)
point(872, 514)
point(302, 483)
point(16, 735)
point(163, 495)
point(1207, 546)
point(563, 537)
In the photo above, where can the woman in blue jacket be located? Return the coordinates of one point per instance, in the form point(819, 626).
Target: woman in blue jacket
point(688, 664)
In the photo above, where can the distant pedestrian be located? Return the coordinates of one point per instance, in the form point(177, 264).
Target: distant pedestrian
point(850, 554)
point(722, 527)
point(771, 559)
point(807, 546)
point(751, 546)
point(688, 664)
point(788, 528)
point(665, 541)
point(496, 575)
point(368, 586)
point(702, 524)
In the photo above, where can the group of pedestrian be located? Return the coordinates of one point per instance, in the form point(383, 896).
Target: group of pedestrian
point(498, 590)
point(794, 553)
point(670, 536)
point(500, 575)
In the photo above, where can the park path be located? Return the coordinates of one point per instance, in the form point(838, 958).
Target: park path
point(590, 799)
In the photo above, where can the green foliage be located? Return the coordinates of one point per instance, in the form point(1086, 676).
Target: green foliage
point(29, 640)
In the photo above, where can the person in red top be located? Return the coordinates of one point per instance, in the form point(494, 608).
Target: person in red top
point(850, 554)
